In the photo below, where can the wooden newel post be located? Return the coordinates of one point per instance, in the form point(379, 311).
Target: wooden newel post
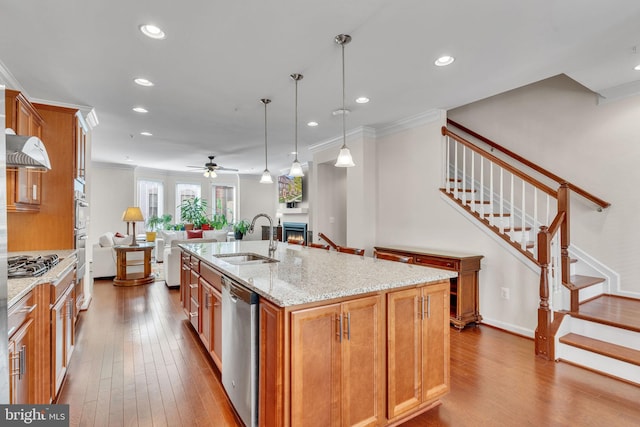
point(543, 331)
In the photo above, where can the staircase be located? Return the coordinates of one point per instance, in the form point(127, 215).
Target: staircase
point(526, 208)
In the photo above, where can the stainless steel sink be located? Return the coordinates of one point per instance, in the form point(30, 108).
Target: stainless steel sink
point(245, 258)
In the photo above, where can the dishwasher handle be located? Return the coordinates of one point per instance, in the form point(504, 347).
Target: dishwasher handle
point(239, 292)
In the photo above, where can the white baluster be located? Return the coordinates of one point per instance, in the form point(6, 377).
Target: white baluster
point(472, 184)
point(523, 241)
point(501, 200)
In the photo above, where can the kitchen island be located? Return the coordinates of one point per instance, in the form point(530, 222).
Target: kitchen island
point(343, 339)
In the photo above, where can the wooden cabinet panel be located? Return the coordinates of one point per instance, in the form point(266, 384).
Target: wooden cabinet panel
point(216, 328)
point(363, 362)
point(315, 366)
point(403, 351)
point(336, 364)
point(21, 365)
point(272, 365)
point(62, 337)
point(206, 314)
point(435, 342)
point(417, 348)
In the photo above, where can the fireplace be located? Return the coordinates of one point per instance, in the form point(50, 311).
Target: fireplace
point(294, 231)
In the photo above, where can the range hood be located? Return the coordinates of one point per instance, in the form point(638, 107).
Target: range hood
point(26, 152)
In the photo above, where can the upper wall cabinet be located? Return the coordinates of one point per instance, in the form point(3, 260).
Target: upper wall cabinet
point(24, 186)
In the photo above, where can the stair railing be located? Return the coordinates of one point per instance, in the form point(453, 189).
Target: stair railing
point(511, 203)
point(596, 200)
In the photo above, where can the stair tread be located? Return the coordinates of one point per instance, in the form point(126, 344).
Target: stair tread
point(604, 348)
point(580, 282)
point(527, 228)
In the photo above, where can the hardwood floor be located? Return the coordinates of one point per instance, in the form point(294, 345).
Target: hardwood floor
point(137, 362)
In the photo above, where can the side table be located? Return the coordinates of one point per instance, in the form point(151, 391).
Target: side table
point(132, 270)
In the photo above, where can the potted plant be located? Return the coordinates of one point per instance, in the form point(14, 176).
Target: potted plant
point(240, 228)
point(192, 211)
point(218, 221)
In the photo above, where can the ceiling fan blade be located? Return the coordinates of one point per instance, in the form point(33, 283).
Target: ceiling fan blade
point(197, 167)
point(220, 168)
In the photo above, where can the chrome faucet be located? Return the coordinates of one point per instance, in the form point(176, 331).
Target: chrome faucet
point(272, 244)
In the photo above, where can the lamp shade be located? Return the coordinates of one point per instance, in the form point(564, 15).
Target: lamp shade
point(132, 214)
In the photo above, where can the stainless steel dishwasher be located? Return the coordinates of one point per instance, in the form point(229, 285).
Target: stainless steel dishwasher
point(240, 349)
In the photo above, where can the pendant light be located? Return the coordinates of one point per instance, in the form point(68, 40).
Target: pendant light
point(344, 157)
point(266, 175)
point(296, 168)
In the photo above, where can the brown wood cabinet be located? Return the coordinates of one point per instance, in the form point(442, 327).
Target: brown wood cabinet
point(201, 298)
point(418, 348)
point(24, 186)
point(62, 328)
point(22, 351)
point(53, 226)
point(336, 371)
point(464, 293)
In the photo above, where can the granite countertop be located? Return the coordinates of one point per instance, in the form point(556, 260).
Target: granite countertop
point(17, 288)
point(306, 275)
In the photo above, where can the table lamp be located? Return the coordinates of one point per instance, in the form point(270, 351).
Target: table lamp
point(132, 214)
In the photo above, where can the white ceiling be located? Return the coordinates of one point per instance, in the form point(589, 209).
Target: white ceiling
point(219, 58)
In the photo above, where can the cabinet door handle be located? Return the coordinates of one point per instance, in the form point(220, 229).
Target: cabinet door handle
point(28, 309)
point(349, 326)
point(339, 325)
point(23, 362)
point(193, 314)
point(428, 306)
point(422, 308)
point(193, 285)
point(207, 302)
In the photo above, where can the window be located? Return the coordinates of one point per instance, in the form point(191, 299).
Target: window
point(184, 192)
point(224, 201)
point(150, 198)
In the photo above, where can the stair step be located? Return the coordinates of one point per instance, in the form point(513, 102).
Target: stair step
point(614, 351)
point(580, 282)
point(509, 229)
point(484, 202)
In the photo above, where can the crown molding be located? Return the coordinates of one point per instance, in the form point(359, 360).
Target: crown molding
point(616, 93)
point(410, 122)
point(362, 131)
point(9, 79)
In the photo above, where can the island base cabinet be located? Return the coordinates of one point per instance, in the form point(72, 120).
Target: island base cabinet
point(337, 364)
point(417, 348)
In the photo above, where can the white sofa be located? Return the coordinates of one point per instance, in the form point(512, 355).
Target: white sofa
point(167, 244)
point(104, 256)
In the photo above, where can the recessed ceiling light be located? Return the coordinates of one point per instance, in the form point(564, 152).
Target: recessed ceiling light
point(146, 133)
point(444, 60)
point(152, 31)
point(140, 110)
point(362, 100)
point(143, 82)
point(637, 67)
point(312, 124)
point(340, 112)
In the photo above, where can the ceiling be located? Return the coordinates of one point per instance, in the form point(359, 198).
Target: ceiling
point(219, 58)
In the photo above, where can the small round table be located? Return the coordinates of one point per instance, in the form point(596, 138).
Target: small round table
point(128, 267)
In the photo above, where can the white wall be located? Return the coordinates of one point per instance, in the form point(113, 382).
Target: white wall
point(411, 212)
point(255, 198)
point(558, 124)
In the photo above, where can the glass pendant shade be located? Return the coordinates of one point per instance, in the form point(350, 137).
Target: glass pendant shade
point(266, 177)
point(210, 174)
point(344, 158)
point(296, 167)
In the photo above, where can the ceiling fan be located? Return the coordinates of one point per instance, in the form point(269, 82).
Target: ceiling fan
point(210, 168)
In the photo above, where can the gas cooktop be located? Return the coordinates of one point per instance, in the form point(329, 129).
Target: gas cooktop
point(30, 266)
